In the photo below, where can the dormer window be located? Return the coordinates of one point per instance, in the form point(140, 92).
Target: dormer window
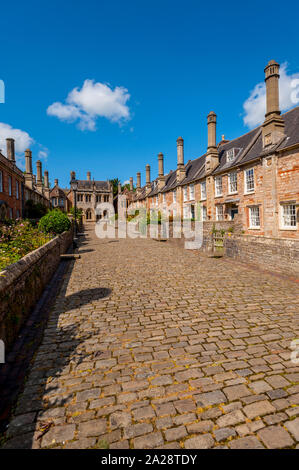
point(231, 154)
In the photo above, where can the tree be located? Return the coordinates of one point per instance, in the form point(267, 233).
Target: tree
point(115, 182)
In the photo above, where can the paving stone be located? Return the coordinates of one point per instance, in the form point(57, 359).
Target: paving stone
point(224, 433)
point(150, 441)
point(200, 427)
point(205, 441)
point(249, 442)
point(293, 427)
point(58, 434)
point(174, 434)
point(275, 437)
point(259, 408)
point(230, 419)
point(136, 430)
point(236, 391)
point(95, 427)
point(120, 419)
point(211, 398)
point(260, 386)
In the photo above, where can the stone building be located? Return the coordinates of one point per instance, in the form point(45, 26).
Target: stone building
point(254, 178)
point(17, 188)
point(11, 184)
point(59, 197)
point(89, 194)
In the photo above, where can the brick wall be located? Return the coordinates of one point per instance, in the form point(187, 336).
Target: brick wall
point(273, 254)
point(22, 283)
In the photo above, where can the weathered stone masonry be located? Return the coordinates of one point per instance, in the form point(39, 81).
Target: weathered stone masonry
point(22, 283)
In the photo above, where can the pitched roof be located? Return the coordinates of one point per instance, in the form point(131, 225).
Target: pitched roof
point(99, 185)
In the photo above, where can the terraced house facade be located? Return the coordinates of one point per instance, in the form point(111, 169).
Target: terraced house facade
point(253, 179)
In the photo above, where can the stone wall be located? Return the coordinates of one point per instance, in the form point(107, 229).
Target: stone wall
point(22, 283)
point(273, 254)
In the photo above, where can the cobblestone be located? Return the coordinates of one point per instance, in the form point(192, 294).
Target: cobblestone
point(151, 346)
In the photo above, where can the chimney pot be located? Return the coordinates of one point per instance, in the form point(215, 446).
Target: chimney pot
point(56, 182)
point(148, 174)
point(88, 176)
point(180, 152)
point(131, 183)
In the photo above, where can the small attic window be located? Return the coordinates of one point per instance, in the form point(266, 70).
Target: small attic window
point(231, 154)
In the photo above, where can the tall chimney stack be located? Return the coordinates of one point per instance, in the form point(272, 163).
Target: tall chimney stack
point(10, 149)
point(273, 127)
point(119, 187)
point(46, 179)
point(28, 169)
point(56, 182)
point(39, 179)
point(148, 177)
point(46, 184)
point(161, 177)
point(131, 183)
point(161, 164)
point(181, 173)
point(88, 176)
point(212, 158)
point(138, 184)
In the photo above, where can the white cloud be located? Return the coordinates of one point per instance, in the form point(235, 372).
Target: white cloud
point(93, 100)
point(22, 138)
point(255, 105)
point(22, 141)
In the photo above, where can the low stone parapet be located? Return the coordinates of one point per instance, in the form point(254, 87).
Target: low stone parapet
point(22, 283)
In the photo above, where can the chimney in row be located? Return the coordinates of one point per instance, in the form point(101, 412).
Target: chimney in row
point(181, 173)
point(212, 158)
point(88, 176)
point(39, 179)
point(46, 184)
point(131, 183)
point(273, 126)
point(119, 187)
point(56, 182)
point(28, 168)
point(138, 184)
point(10, 150)
point(161, 177)
point(148, 177)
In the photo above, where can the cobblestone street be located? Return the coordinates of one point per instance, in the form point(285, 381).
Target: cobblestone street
point(153, 346)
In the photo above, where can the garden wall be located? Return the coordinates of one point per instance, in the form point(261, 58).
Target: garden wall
point(22, 283)
point(273, 254)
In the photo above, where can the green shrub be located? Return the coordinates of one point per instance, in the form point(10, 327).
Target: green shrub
point(54, 222)
point(17, 238)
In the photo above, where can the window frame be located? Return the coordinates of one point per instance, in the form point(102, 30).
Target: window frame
point(229, 182)
point(246, 190)
point(283, 205)
point(216, 186)
point(251, 226)
point(222, 212)
point(203, 194)
point(191, 192)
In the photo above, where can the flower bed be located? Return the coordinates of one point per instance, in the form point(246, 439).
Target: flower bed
point(17, 238)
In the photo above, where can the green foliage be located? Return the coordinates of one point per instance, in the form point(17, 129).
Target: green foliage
point(54, 222)
point(79, 212)
point(33, 210)
point(17, 238)
point(115, 182)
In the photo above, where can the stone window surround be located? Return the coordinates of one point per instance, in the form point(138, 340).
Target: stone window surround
point(203, 194)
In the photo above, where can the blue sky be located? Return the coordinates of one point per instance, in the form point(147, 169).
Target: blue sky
point(159, 66)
